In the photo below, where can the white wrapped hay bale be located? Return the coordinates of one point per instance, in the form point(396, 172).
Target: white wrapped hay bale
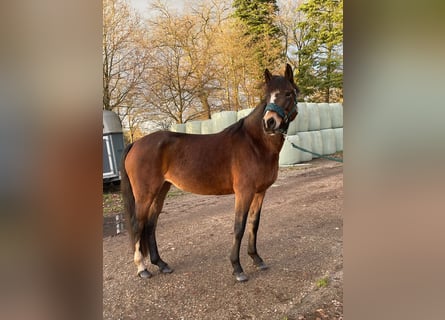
point(338, 139)
point(302, 117)
point(328, 138)
point(325, 116)
point(288, 154)
point(314, 116)
point(223, 119)
point(306, 143)
point(243, 113)
point(336, 110)
point(193, 127)
point(177, 127)
point(207, 126)
point(293, 127)
point(317, 143)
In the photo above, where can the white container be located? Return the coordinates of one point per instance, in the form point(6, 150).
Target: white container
point(290, 155)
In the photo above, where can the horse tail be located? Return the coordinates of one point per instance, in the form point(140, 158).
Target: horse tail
point(129, 202)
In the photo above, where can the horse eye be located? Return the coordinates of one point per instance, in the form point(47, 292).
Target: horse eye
point(288, 94)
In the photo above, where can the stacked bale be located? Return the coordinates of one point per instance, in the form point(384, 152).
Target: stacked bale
point(207, 126)
point(193, 127)
point(325, 116)
point(223, 119)
point(329, 143)
point(305, 138)
point(338, 139)
point(314, 116)
point(317, 143)
point(293, 127)
point(302, 117)
point(290, 155)
point(244, 113)
point(336, 111)
point(177, 127)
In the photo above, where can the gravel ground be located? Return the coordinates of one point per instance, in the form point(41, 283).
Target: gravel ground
point(300, 238)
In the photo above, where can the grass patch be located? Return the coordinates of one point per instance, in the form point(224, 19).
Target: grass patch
point(112, 203)
point(323, 282)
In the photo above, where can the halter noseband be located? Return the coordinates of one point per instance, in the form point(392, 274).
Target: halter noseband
point(280, 111)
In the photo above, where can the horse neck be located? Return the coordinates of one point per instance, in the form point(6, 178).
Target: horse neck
point(253, 124)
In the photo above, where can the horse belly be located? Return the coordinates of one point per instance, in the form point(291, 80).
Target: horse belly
point(200, 183)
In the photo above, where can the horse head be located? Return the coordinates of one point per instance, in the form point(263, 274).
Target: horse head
point(281, 101)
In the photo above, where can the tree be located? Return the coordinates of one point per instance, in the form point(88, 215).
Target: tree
point(124, 60)
point(182, 78)
point(320, 69)
point(259, 18)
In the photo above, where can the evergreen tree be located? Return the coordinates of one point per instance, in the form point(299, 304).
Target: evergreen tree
point(259, 18)
point(321, 59)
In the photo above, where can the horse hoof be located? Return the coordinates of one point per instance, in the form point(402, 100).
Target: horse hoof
point(144, 274)
point(241, 277)
point(166, 269)
point(262, 266)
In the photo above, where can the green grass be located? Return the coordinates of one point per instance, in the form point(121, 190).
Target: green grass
point(112, 203)
point(323, 282)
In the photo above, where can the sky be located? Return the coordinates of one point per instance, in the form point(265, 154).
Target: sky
point(142, 5)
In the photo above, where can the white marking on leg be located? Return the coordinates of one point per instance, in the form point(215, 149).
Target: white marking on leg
point(138, 258)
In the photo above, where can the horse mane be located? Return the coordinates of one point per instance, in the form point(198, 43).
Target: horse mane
point(256, 113)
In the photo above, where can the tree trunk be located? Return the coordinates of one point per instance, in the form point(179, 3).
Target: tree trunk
point(203, 97)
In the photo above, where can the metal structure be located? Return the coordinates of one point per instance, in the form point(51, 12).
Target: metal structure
point(113, 146)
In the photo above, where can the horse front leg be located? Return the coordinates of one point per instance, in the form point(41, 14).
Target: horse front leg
point(242, 204)
point(253, 224)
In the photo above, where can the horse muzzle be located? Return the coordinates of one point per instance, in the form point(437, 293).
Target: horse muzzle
point(271, 122)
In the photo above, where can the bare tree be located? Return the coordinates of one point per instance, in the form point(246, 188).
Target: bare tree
point(182, 78)
point(124, 60)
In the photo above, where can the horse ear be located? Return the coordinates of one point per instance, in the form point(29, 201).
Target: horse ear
point(289, 74)
point(267, 75)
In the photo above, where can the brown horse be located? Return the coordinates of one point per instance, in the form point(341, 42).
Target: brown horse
point(242, 159)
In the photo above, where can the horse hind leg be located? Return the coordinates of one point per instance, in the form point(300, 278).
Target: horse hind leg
point(141, 238)
point(155, 210)
point(139, 262)
point(144, 227)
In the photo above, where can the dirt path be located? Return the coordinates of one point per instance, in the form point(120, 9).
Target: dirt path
point(300, 238)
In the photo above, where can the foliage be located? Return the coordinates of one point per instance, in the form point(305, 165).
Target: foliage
point(320, 68)
point(181, 66)
point(258, 17)
point(124, 60)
